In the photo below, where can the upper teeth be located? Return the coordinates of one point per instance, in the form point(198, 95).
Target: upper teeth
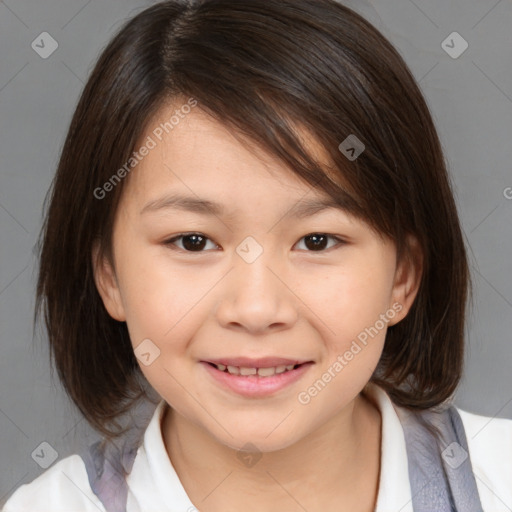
point(262, 372)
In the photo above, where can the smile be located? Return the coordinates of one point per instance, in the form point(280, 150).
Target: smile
point(261, 372)
point(255, 382)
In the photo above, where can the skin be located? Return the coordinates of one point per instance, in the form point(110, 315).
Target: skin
point(292, 301)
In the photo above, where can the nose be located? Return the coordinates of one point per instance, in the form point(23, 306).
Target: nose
point(256, 298)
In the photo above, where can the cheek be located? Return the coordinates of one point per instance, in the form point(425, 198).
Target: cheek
point(350, 300)
point(158, 300)
point(353, 310)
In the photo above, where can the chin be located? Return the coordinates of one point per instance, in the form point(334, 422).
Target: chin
point(257, 440)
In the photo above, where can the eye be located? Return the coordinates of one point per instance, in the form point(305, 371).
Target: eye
point(191, 242)
point(196, 242)
point(317, 241)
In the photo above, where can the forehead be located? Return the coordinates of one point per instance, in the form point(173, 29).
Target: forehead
point(192, 150)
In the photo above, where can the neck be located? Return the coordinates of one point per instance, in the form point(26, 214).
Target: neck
point(336, 467)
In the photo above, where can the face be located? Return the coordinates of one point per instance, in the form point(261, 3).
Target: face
point(216, 259)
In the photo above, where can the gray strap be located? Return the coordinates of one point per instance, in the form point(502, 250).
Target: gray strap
point(106, 476)
point(108, 463)
point(440, 468)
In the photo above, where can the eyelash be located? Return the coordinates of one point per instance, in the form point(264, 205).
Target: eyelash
point(171, 242)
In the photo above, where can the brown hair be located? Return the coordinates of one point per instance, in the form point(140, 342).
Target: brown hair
point(263, 68)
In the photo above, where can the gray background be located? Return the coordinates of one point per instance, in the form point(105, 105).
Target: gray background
point(471, 101)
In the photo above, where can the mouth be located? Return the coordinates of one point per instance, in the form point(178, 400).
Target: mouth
point(256, 378)
point(244, 371)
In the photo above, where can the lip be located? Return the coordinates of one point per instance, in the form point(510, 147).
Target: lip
point(254, 386)
point(261, 362)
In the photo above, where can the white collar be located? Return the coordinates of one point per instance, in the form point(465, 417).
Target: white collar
point(154, 482)
point(394, 485)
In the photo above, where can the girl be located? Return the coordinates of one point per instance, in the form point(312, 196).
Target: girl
point(254, 279)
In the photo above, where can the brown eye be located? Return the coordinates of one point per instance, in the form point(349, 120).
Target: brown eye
point(192, 242)
point(317, 242)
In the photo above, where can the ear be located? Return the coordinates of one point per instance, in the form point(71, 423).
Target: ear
point(107, 286)
point(408, 275)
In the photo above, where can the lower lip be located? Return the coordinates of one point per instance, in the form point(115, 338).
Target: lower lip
point(253, 385)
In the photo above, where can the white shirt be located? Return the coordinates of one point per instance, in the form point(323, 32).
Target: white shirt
point(154, 485)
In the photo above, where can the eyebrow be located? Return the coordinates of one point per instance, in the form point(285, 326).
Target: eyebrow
point(302, 209)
